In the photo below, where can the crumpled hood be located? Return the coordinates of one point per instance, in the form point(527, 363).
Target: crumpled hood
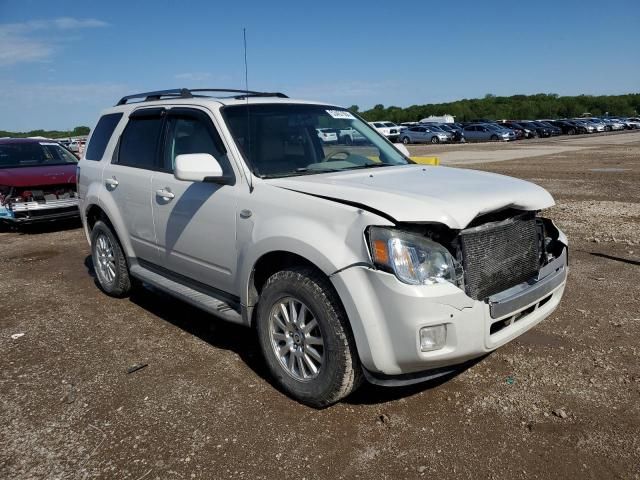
point(38, 176)
point(419, 193)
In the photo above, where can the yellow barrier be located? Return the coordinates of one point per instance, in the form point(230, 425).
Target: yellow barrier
point(426, 160)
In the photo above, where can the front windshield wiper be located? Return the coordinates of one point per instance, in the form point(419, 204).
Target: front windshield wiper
point(302, 171)
point(313, 171)
point(370, 165)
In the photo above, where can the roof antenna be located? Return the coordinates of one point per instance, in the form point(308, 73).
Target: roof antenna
point(246, 85)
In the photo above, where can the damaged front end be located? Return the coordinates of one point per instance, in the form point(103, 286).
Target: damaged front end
point(496, 259)
point(19, 205)
point(435, 297)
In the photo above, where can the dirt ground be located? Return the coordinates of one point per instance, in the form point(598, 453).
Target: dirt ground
point(561, 401)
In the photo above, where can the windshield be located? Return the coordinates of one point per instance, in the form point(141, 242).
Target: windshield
point(389, 124)
point(34, 154)
point(280, 140)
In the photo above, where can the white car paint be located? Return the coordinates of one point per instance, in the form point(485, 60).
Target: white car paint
point(216, 234)
point(419, 193)
point(386, 128)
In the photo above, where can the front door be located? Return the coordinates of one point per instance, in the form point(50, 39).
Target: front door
point(195, 221)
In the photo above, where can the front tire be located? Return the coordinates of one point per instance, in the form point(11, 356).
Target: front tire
point(109, 261)
point(494, 138)
point(305, 338)
point(435, 140)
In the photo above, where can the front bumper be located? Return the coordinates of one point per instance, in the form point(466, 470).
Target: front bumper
point(386, 316)
point(32, 212)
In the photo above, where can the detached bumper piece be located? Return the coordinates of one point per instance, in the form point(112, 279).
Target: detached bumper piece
point(406, 379)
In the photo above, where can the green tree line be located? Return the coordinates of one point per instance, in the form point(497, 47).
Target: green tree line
point(76, 132)
point(516, 107)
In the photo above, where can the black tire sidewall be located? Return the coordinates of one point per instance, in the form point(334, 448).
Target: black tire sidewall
point(316, 391)
point(122, 283)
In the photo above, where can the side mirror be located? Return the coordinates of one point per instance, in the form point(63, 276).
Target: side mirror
point(198, 167)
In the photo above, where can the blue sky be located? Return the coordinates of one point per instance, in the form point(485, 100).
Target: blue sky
point(62, 62)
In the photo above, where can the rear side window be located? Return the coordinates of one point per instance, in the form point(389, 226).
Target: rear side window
point(101, 135)
point(139, 142)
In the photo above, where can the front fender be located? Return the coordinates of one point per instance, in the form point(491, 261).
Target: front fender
point(331, 237)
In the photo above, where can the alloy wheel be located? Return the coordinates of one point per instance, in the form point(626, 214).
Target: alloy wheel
point(296, 339)
point(106, 263)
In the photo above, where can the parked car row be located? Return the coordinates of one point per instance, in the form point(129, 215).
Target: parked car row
point(506, 130)
point(75, 146)
point(480, 130)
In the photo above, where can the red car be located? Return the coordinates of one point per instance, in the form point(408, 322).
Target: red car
point(37, 181)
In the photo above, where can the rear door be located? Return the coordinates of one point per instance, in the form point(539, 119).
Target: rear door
point(127, 178)
point(195, 221)
point(471, 132)
point(419, 134)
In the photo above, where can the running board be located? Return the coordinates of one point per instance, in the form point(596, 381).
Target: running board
point(204, 301)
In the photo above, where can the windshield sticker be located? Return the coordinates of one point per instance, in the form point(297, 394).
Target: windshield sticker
point(341, 114)
point(51, 144)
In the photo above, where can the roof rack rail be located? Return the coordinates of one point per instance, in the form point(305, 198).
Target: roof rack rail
point(189, 93)
point(241, 93)
point(157, 95)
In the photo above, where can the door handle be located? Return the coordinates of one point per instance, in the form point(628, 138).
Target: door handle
point(111, 182)
point(166, 194)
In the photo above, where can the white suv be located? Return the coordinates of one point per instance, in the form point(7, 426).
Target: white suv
point(388, 129)
point(350, 261)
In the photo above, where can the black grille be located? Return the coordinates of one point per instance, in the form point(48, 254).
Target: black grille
point(500, 255)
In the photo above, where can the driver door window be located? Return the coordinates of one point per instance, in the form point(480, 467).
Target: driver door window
point(188, 133)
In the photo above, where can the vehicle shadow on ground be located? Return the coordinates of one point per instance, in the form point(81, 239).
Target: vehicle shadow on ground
point(217, 333)
point(45, 227)
point(617, 259)
point(244, 342)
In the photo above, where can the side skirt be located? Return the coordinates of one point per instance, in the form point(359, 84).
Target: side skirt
point(215, 302)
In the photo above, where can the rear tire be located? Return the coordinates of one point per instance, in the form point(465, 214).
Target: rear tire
point(109, 261)
point(320, 332)
point(406, 140)
point(571, 131)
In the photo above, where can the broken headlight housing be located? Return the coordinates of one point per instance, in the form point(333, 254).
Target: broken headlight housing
point(414, 259)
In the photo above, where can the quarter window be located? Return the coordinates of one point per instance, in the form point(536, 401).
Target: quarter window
point(101, 135)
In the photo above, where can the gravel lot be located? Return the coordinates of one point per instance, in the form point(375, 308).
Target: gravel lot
point(562, 401)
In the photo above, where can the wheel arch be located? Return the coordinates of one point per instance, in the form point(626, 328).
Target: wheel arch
point(94, 212)
point(266, 265)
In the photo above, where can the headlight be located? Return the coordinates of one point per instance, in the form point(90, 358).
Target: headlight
point(414, 259)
